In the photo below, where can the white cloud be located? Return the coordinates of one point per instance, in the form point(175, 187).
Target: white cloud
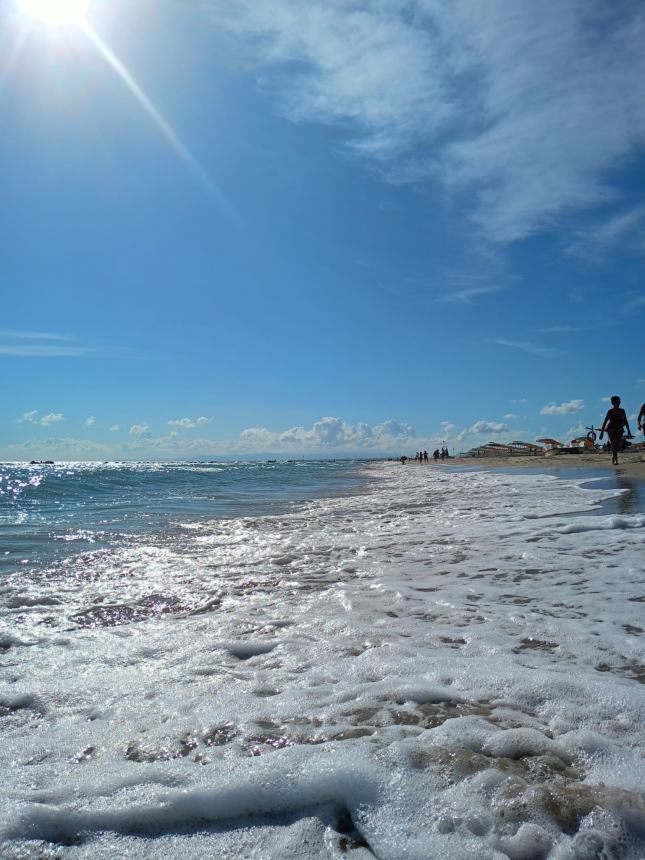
point(510, 416)
point(567, 408)
point(605, 399)
point(328, 433)
point(532, 348)
point(139, 429)
point(52, 418)
point(90, 421)
point(467, 294)
point(621, 230)
point(527, 106)
point(114, 428)
point(189, 423)
point(480, 427)
point(561, 329)
point(520, 400)
point(29, 416)
point(45, 351)
point(33, 335)
point(182, 422)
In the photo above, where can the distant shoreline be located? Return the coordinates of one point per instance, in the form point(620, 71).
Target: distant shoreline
point(629, 465)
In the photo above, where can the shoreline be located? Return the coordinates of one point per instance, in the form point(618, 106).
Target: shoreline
point(629, 465)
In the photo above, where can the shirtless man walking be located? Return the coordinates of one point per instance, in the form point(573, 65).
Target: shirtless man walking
point(615, 420)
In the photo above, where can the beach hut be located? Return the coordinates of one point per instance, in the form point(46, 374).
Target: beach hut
point(550, 444)
point(526, 448)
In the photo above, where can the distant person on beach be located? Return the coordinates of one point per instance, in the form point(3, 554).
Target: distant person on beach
point(436, 454)
point(403, 459)
point(425, 456)
point(615, 420)
point(641, 418)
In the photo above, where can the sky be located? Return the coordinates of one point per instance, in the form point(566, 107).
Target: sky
point(236, 227)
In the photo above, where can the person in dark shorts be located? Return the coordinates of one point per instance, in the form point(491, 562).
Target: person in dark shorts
point(615, 420)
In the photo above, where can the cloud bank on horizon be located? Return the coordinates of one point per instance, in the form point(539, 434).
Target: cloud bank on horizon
point(330, 436)
point(529, 106)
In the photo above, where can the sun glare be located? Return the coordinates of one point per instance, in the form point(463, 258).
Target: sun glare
point(55, 13)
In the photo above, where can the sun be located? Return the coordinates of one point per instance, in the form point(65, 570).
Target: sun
point(55, 13)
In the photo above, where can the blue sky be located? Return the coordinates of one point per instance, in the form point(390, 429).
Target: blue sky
point(318, 225)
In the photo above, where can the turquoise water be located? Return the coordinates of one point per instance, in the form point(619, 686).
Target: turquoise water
point(48, 512)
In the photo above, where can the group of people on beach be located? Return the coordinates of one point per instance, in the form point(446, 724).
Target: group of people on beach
point(614, 424)
point(422, 456)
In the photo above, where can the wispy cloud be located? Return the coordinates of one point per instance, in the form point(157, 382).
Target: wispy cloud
point(532, 348)
point(33, 335)
point(619, 231)
point(114, 428)
point(90, 421)
point(560, 329)
point(634, 303)
point(467, 294)
point(45, 351)
point(524, 106)
point(139, 429)
point(567, 408)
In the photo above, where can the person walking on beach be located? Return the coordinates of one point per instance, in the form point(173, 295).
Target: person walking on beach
point(425, 456)
point(615, 420)
point(641, 418)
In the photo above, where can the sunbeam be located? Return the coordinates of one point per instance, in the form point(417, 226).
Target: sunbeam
point(152, 111)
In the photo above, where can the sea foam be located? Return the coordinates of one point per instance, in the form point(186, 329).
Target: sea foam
point(444, 665)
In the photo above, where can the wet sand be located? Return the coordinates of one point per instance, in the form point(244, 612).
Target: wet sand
point(630, 465)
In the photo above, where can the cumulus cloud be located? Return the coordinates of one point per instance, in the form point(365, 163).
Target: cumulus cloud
point(52, 418)
point(190, 423)
point(480, 427)
point(510, 416)
point(328, 433)
point(525, 106)
point(182, 422)
point(139, 429)
point(90, 421)
point(567, 408)
point(45, 421)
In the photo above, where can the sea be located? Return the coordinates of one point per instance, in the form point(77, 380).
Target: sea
point(320, 659)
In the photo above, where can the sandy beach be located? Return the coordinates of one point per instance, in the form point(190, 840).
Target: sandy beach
point(631, 465)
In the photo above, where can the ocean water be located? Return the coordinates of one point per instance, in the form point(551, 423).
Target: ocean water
point(315, 660)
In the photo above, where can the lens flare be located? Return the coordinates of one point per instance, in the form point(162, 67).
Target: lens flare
point(54, 13)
